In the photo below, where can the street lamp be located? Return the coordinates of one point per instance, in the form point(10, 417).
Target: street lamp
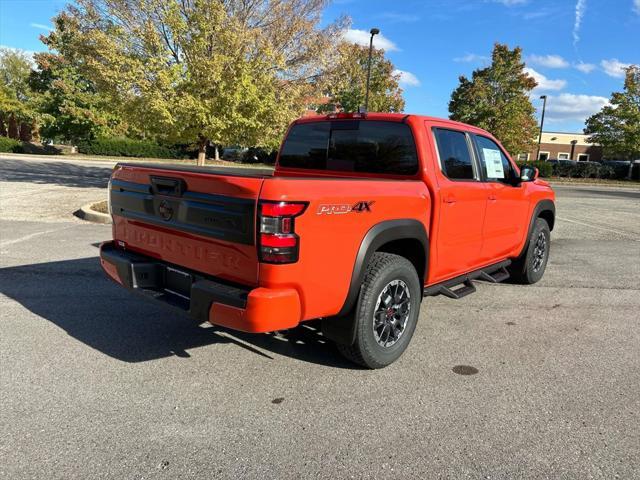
point(544, 106)
point(373, 32)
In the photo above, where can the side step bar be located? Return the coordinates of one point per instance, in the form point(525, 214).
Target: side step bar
point(495, 274)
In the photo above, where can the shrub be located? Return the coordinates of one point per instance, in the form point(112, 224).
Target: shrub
point(9, 145)
point(545, 168)
point(127, 147)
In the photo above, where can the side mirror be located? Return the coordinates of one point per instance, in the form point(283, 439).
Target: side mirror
point(528, 173)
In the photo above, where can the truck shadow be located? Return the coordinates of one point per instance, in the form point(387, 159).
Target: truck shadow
point(76, 296)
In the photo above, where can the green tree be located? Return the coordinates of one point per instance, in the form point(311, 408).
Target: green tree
point(71, 108)
point(15, 95)
point(617, 126)
point(228, 72)
point(497, 100)
point(345, 84)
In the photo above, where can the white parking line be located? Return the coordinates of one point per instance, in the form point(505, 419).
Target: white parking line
point(32, 235)
point(630, 235)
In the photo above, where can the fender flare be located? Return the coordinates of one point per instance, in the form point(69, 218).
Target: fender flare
point(338, 327)
point(541, 206)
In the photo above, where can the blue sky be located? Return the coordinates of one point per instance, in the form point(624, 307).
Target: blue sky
point(575, 48)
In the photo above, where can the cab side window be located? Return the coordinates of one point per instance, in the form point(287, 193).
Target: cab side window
point(453, 151)
point(494, 162)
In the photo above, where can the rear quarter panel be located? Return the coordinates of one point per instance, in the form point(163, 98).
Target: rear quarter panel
point(329, 242)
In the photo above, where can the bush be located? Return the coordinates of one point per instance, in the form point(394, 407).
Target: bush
point(127, 147)
point(9, 145)
point(545, 168)
point(595, 170)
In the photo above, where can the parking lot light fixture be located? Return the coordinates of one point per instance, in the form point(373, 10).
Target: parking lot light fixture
point(544, 106)
point(373, 31)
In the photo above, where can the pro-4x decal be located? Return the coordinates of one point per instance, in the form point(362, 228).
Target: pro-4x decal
point(341, 208)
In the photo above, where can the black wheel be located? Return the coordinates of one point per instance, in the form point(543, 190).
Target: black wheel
point(531, 266)
point(386, 313)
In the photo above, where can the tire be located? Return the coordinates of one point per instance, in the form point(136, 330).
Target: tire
point(381, 341)
point(530, 267)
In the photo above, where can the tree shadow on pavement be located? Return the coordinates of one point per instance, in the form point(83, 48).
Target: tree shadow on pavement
point(76, 296)
point(54, 173)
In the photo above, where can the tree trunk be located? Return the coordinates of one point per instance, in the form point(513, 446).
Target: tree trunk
point(35, 131)
point(25, 132)
point(217, 153)
point(202, 150)
point(3, 129)
point(630, 173)
point(13, 128)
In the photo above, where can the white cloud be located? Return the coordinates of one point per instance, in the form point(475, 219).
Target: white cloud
point(511, 3)
point(361, 37)
point(549, 61)
point(27, 53)
point(407, 79)
point(471, 58)
point(41, 26)
point(636, 6)
point(569, 106)
point(581, 7)
point(585, 67)
point(545, 83)
point(613, 67)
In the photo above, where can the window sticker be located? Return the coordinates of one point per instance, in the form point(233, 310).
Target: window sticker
point(493, 163)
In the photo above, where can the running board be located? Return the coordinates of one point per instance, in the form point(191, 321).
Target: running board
point(494, 273)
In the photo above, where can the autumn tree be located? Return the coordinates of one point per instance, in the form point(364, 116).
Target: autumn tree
point(71, 108)
point(228, 72)
point(497, 100)
point(15, 95)
point(345, 83)
point(617, 126)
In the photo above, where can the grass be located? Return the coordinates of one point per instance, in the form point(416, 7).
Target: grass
point(100, 207)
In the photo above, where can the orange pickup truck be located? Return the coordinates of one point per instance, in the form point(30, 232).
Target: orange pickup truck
point(363, 216)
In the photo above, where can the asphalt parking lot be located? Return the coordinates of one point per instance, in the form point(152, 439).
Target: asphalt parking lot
point(97, 383)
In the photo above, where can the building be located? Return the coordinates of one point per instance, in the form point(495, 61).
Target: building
point(564, 146)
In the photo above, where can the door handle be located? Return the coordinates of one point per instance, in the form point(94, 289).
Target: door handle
point(450, 199)
point(493, 198)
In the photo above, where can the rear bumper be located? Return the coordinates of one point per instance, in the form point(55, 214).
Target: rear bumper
point(204, 298)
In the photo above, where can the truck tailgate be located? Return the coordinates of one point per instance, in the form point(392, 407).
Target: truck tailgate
point(199, 219)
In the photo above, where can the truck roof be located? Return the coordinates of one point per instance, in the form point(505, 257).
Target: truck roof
point(388, 117)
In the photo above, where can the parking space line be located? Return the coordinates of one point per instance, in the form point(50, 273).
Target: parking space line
point(632, 236)
point(32, 235)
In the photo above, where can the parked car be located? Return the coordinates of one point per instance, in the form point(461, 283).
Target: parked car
point(233, 154)
point(363, 216)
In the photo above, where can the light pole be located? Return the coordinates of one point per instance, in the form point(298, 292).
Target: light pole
point(544, 106)
point(373, 32)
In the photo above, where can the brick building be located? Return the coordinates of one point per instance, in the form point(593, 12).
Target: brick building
point(564, 146)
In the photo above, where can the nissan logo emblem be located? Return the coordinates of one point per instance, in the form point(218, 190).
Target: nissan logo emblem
point(165, 210)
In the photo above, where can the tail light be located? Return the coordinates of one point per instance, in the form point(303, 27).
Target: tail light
point(277, 240)
point(341, 115)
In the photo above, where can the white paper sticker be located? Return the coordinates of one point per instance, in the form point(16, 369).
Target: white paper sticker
point(493, 163)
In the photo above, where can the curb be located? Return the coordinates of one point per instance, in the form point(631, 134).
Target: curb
point(87, 213)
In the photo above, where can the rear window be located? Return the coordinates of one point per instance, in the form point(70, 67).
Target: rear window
point(351, 146)
point(453, 151)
